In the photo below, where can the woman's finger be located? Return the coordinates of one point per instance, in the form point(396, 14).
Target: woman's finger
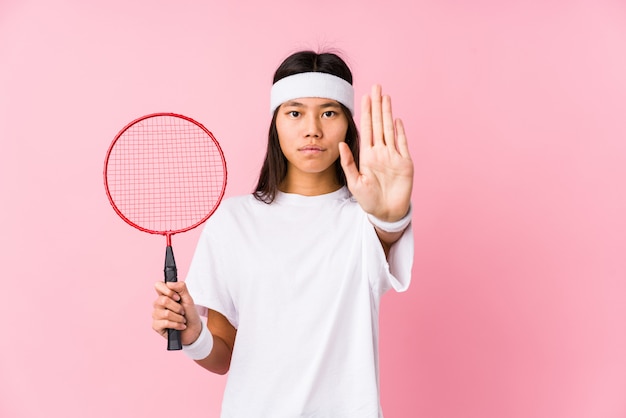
point(402, 142)
point(165, 302)
point(162, 325)
point(366, 122)
point(168, 315)
point(164, 289)
point(377, 116)
point(388, 126)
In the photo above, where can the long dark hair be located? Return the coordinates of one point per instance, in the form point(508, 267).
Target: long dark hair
point(274, 167)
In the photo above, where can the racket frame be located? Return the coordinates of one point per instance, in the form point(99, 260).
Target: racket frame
point(167, 234)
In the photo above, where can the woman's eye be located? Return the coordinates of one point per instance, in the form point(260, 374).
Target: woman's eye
point(329, 113)
point(294, 113)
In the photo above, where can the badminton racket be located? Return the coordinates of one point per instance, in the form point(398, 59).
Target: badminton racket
point(165, 174)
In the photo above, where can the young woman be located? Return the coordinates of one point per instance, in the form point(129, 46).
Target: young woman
point(290, 277)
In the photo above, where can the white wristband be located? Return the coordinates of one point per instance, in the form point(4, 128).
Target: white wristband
point(203, 345)
point(396, 226)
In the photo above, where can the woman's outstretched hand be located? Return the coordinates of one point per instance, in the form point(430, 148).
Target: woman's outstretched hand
point(383, 183)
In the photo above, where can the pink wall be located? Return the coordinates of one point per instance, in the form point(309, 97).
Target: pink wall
point(516, 116)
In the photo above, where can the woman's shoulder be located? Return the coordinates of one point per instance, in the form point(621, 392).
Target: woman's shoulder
point(236, 206)
point(237, 202)
point(229, 213)
point(237, 199)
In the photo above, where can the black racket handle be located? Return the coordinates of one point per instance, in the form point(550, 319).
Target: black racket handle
point(171, 275)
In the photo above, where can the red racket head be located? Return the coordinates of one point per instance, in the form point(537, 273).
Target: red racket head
point(165, 173)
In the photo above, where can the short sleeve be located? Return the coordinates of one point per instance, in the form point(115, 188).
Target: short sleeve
point(207, 279)
point(392, 272)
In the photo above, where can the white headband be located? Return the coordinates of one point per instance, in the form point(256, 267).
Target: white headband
point(313, 84)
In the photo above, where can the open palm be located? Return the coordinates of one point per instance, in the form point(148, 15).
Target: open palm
point(383, 183)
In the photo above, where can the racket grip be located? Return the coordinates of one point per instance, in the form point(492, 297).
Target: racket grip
point(171, 275)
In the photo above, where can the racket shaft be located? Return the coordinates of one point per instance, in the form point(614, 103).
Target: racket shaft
point(171, 275)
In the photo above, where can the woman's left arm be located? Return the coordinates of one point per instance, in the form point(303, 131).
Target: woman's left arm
point(384, 181)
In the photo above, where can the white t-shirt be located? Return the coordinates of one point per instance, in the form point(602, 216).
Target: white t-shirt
point(301, 280)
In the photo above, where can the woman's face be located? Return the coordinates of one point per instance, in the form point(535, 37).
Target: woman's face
point(309, 132)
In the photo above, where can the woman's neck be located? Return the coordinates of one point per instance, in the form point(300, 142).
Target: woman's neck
point(310, 184)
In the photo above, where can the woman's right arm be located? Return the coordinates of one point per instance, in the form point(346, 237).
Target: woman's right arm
point(174, 308)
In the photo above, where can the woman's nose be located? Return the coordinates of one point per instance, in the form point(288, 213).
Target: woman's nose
point(313, 127)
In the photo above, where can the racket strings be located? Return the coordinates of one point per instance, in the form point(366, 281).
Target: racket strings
point(165, 174)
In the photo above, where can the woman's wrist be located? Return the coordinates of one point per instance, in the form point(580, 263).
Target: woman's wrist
point(397, 226)
point(202, 346)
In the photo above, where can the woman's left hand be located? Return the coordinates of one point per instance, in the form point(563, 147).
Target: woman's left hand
point(384, 182)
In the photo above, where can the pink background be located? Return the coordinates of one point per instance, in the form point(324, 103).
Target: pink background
point(516, 113)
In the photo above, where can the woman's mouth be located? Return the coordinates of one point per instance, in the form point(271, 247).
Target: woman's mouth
point(311, 149)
